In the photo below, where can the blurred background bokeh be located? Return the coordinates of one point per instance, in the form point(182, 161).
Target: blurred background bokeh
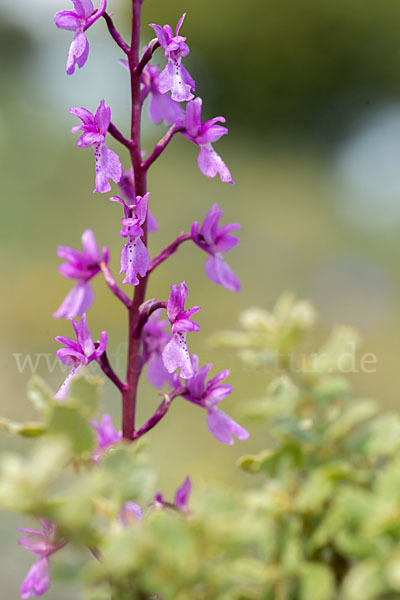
point(311, 93)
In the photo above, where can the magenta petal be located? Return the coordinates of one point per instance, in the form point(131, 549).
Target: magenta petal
point(103, 117)
point(67, 19)
point(78, 52)
point(84, 8)
point(173, 78)
point(161, 34)
point(108, 166)
point(78, 301)
point(90, 247)
point(152, 223)
point(35, 542)
point(62, 393)
point(157, 374)
point(210, 163)
point(135, 259)
point(220, 272)
point(163, 108)
point(83, 114)
point(193, 117)
point(182, 495)
point(223, 427)
point(37, 581)
point(176, 355)
point(130, 513)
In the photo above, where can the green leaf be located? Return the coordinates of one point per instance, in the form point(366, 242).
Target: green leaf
point(40, 394)
point(350, 417)
point(68, 422)
point(24, 429)
point(317, 582)
point(365, 580)
point(84, 394)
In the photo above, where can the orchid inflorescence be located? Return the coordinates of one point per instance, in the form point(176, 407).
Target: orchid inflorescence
point(154, 341)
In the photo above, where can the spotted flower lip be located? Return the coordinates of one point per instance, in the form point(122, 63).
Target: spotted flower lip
point(204, 134)
point(161, 106)
point(78, 353)
point(207, 395)
point(94, 129)
point(135, 258)
point(81, 266)
point(217, 241)
point(174, 77)
point(78, 21)
point(176, 353)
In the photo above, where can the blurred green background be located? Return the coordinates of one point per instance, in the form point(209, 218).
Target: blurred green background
point(311, 93)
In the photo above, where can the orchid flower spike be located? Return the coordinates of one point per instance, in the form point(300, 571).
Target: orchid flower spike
point(208, 395)
point(78, 353)
point(81, 266)
point(174, 77)
point(176, 353)
point(78, 20)
point(95, 127)
point(203, 134)
point(135, 258)
point(217, 241)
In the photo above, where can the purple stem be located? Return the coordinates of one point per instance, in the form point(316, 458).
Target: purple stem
point(148, 53)
point(112, 284)
point(161, 145)
point(109, 372)
point(169, 250)
point(115, 132)
point(134, 365)
point(114, 33)
point(145, 310)
point(160, 412)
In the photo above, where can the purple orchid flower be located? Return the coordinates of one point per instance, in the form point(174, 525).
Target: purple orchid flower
point(203, 134)
point(174, 77)
point(44, 543)
point(181, 501)
point(130, 513)
point(78, 353)
point(81, 266)
point(95, 127)
point(154, 339)
point(128, 190)
point(208, 395)
point(106, 435)
point(216, 241)
point(176, 353)
point(135, 258)
point(79, 21)
point(161, 106)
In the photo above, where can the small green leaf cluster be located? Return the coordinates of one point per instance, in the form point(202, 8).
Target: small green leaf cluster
point(321, 521)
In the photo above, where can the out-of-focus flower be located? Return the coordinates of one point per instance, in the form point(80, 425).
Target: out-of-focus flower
point(217, 241)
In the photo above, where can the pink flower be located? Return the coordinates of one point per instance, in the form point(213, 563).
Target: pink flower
point(176, 354)
point(94, 128)
point(79, 21)
point(174, 77)
point(202, 134)
point(44, 543)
